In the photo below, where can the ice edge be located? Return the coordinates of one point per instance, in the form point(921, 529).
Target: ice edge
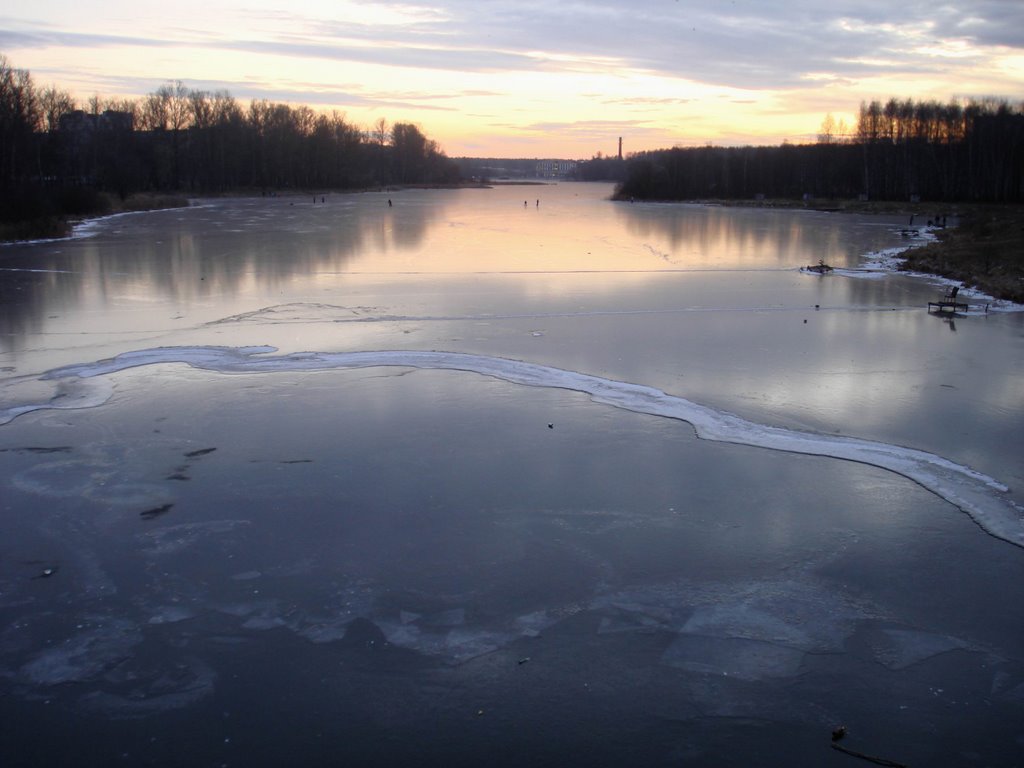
point(973, 492)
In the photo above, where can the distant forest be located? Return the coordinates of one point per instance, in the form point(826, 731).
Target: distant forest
point(902, 150)
point(60, 158)
point(56, 155)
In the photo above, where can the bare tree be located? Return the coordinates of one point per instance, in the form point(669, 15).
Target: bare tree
point(200, 109)
point(179, 106)
point(827, 131)
point(127, 106)
point(55, 103)
point(225, 108)
point(155, 115)
point(380, 132)
point(20, 117)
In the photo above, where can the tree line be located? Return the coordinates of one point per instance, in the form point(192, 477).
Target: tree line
point(53, 151)
point(900, 150)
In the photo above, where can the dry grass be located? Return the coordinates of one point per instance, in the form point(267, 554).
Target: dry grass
point(986, 251)
point(37, 229)
point(148, 201)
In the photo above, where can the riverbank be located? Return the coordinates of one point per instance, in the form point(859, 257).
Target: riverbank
point(986, 252)
point(98, 205)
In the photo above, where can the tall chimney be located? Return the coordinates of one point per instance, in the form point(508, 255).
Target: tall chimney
point(620, 147)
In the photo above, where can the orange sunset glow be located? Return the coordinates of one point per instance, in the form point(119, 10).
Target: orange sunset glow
point(531, 79)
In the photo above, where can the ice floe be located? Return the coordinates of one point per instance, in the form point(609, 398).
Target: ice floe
point(734, 657)
point(900, 648)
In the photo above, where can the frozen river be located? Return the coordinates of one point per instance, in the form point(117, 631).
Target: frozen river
point(511, 476)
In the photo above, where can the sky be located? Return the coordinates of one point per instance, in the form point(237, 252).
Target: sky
point(537, 78)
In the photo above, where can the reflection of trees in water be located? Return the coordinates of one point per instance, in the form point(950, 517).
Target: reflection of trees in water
point(703, 236)
point(16, 299)
point(203, 254)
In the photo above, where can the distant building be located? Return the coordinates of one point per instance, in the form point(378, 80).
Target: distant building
point(111, 120)
point(85, 139)
point(76, 122)
point(81, 122)
point(555, 169)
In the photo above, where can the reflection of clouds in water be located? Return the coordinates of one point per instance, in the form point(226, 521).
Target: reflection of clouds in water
point(719, 634)
point(710, 237)
point(301, 312)
point(982, 497)
point(190, 257)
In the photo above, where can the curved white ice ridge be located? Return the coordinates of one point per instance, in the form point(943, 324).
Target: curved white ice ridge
point(979, 495)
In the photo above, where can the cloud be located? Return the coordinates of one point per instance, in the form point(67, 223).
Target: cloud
point(694, 63)
point(744, 44)
point(642, 101)
point(983, 22)
point(591, 130)
point(38, 38)
point(750, 45)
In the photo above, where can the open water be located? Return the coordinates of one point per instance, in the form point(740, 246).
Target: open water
point(507, 476)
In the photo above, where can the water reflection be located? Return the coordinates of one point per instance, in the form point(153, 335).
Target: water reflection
point(155, 274)
point(212, 522)
point(712, 237)
point(183, 258)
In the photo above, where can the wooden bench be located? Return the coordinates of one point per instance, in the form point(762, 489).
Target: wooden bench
point(949, 301)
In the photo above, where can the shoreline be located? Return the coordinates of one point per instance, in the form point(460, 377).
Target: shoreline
point(57, 227)
point(893, 261)
point(984, 252)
